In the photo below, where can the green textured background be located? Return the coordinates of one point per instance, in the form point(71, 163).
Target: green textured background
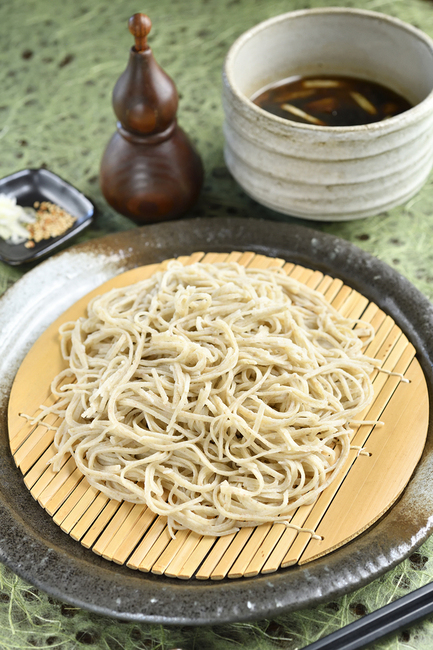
point(58, 64)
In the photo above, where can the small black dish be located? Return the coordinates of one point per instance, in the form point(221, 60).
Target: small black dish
point(30, 185)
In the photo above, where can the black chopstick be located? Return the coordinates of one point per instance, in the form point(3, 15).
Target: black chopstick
point(390, 618)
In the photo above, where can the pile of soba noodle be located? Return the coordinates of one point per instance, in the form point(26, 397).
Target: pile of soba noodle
point(218, 396)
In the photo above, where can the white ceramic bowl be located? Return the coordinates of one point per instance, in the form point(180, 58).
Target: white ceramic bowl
point(319, 172)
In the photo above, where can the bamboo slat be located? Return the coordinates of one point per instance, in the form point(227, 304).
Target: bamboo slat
point(367, 486)
point(106, 509)
point(173, 549)
point(131, 539)
point(226, 561)
point(139, 559)
point(175, 566)
point(111, 529)
point(220, 547)
point(72, 504)
point(83, 513)
point(157, 548)
point(196, 558)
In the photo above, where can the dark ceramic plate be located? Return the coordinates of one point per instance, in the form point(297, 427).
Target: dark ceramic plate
point(30, 185)
point(34, 547)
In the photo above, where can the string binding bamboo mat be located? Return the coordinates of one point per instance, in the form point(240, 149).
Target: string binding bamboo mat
point(125, 533)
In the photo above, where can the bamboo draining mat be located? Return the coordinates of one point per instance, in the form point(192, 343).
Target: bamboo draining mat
point(131, 534)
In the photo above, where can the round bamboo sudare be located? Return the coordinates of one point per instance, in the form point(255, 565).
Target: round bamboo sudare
point(367, 486)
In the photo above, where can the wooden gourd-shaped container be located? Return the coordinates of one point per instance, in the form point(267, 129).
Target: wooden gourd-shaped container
point(150, 171)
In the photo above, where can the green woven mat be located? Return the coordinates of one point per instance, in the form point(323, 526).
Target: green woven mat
point(59, 61)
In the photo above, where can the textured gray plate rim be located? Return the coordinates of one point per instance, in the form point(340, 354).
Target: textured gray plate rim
point(36, 549)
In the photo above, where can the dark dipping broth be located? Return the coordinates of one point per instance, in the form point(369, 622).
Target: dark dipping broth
point(331, 101)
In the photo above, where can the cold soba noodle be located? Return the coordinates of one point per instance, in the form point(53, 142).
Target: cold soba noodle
point(218, 396)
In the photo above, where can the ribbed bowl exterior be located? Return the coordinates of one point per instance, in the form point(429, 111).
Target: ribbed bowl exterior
point(326, 173)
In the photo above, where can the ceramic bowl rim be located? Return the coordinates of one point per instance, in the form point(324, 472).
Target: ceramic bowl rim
point(395, 123)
